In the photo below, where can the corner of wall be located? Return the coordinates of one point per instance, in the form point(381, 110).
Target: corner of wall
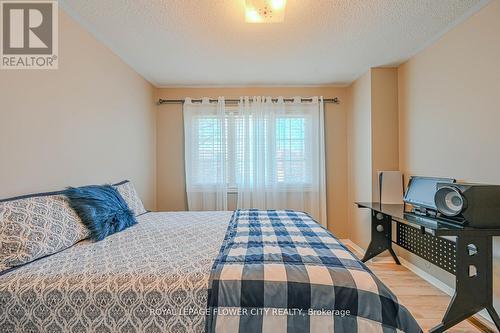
point(384, 123)
point(372, 142)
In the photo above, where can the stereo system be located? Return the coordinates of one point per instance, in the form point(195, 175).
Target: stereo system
point(474, 205)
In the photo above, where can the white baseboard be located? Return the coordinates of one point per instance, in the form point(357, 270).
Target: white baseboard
point(427, 277)
point(352, 244)
point(421, 273)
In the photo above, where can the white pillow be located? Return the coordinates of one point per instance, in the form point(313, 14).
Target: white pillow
point(35, 226)
point(129, 194)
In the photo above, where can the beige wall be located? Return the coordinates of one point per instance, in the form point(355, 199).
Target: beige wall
point(449, 104)
point(372, 143)
point(170, 149)
point(385, 146)
point(359, 159)
point(90, 121)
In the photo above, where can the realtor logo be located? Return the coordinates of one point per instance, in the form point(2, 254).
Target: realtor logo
point(29, 34)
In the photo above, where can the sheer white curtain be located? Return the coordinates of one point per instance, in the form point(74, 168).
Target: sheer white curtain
point(271, 153)
point(281, 155)
point(205, 154)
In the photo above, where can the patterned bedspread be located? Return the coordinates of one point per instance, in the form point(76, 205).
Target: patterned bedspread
point(272, 269)
point(279, 271)
point(151, 277)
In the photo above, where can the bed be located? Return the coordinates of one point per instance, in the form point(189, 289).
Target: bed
point(246, 271)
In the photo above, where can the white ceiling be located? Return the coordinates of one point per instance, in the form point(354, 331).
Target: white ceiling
point(207, 42)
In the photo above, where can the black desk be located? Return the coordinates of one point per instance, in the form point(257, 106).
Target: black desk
point(469, 257)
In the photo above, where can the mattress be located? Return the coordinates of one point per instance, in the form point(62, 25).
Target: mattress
point(151, 277)
point(180, 271)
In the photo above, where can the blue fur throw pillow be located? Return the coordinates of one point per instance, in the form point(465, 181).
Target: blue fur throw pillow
point(101, 208)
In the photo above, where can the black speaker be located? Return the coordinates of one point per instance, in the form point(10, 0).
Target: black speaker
point(474, 205)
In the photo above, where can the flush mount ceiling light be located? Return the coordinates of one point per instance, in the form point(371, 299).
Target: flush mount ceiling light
point(264, 11)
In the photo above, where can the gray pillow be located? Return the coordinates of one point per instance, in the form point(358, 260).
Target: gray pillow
point(129, 194)
point(36, 226)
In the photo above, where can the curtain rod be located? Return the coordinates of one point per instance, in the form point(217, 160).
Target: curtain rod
point(181, 101)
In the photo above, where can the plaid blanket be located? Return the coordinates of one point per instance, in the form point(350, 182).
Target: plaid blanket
point(280, 271)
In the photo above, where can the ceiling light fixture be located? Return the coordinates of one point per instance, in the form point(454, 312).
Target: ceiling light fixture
point(264, 11)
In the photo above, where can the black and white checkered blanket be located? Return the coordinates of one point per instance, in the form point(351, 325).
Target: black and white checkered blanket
point(280, 271)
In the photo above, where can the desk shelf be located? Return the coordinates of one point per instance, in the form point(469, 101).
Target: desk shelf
point(469, 257)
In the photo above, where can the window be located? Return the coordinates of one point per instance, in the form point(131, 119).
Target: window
point(291, 159)
point(262, 153)
point(207, 149)
point(280, 144)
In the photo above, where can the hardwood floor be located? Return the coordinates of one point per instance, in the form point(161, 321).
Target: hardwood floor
point(427, 303)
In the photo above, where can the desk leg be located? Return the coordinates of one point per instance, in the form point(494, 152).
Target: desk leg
point(381, 237)
point(472, 292)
